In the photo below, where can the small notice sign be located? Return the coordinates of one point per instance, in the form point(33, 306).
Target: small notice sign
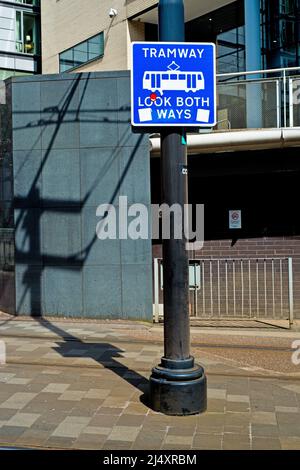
point(235, 219)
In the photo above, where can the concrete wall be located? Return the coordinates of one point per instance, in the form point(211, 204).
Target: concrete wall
point(7, 275)
point(73, 149)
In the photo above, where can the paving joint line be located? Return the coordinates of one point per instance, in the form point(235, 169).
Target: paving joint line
point(91, 340)
point(243, 374)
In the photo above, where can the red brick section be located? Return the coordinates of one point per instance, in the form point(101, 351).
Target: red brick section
point(281, 247)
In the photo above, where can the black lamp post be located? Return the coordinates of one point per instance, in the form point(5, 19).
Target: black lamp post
point(177, 385)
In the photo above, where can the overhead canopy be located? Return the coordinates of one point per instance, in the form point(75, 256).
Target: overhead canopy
point(192, 10)
point(219, 142)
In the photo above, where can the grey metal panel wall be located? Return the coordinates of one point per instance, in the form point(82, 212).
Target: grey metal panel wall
point(73, 149)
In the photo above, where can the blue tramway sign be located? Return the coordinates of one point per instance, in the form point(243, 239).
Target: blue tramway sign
point(173, 84)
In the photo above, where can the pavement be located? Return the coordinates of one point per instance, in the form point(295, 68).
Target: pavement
point(83, 385)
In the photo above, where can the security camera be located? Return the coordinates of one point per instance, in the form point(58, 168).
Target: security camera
point(112, 13)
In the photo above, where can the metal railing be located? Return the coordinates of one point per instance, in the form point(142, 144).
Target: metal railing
point(257, 289)
point(259, 99)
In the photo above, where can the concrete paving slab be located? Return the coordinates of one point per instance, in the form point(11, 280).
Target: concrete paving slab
point(89, 394)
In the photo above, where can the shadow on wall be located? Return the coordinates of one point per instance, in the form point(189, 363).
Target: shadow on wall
point(32, 206)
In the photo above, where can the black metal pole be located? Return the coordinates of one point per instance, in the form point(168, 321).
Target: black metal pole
point(175, 257)
point(177, 385)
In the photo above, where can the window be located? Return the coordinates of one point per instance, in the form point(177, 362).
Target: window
point(173, 77)
point(165, 76)
point(182, 77)
point(26, 33)
point(82, 53)
point(34, 3)
point(225, 27)
point(280, 32)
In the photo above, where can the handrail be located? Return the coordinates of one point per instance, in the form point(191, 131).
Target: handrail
point(258, 72)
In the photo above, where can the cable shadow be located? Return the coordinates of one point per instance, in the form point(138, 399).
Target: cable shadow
point(30, 249)
point(105, 354)
point(31, 252)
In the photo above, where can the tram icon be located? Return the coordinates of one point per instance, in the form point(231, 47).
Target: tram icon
point(173, 80)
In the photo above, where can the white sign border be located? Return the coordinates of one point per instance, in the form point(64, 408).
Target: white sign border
point(167, 124)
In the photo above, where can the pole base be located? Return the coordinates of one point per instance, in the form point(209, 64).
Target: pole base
point(178, 388)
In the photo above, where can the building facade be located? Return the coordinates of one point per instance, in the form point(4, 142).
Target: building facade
point(249, 163)
point(98, 36)
point(67, 29)
point(19, 38)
